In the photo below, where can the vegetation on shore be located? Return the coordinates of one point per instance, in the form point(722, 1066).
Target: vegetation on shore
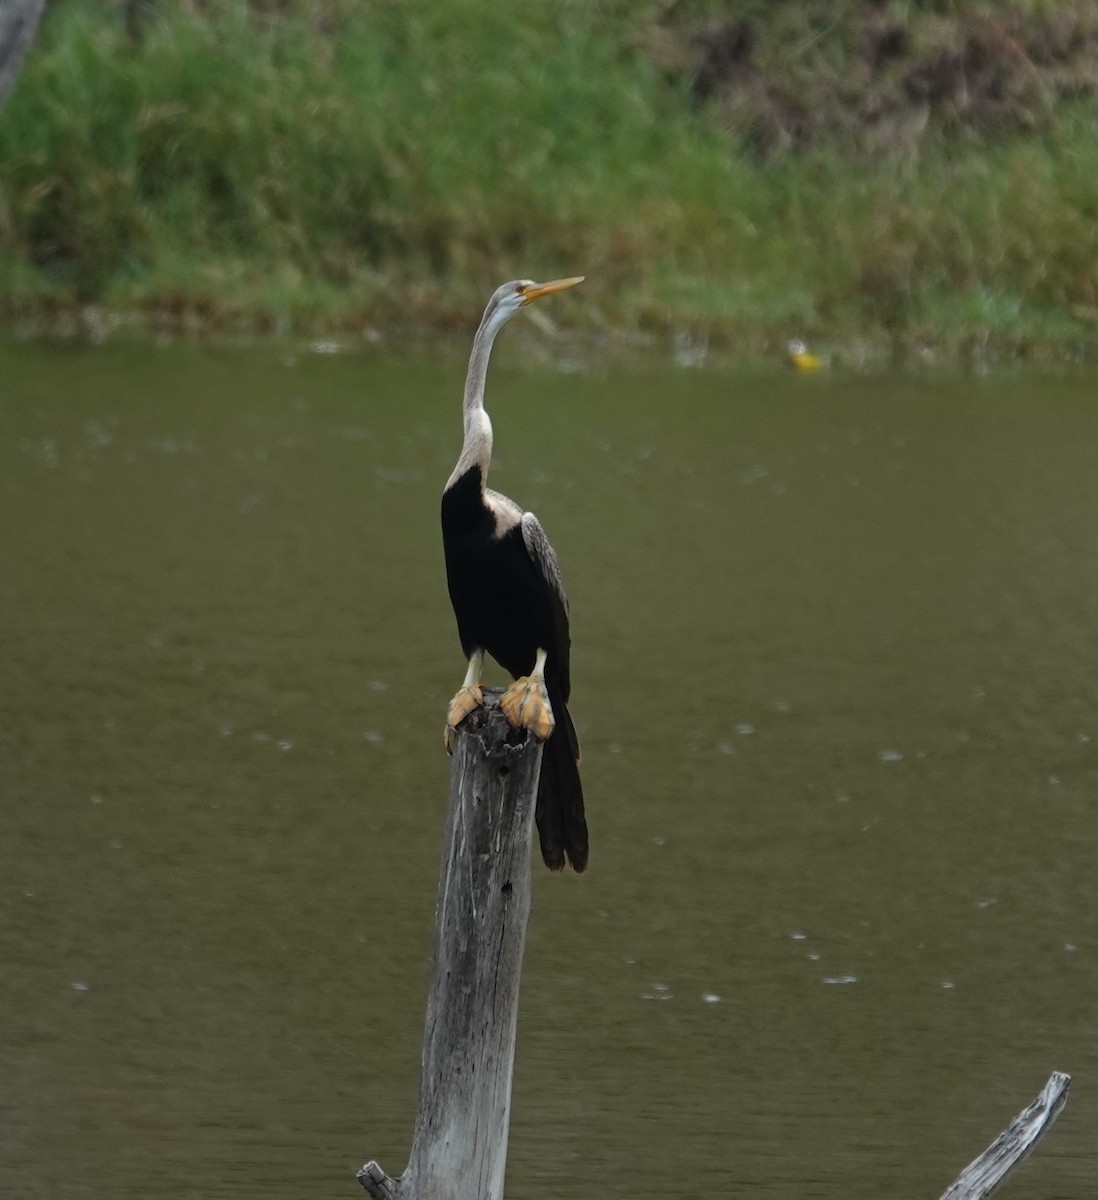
point(875, 175)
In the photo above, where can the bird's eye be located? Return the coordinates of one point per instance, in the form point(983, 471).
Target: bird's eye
point(519, 289)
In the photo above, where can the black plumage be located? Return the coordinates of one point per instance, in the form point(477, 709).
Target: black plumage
point(505, 605)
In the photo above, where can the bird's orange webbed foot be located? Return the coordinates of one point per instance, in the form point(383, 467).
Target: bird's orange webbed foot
point(526, 703)
point(468, 699)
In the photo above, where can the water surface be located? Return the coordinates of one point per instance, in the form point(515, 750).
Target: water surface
point(835, 674)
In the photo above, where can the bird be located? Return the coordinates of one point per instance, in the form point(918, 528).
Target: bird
point(802, 359)
point(509, 600)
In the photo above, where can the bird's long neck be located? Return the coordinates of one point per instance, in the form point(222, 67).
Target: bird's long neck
point(476, 450)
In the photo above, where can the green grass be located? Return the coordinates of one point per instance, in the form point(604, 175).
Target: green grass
point(351, 165)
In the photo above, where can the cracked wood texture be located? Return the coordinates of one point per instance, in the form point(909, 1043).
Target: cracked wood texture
point(983, 1175)
point(18, 21)
point(459, 1147)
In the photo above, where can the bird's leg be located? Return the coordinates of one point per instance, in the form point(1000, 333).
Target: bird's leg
point(469, 697)
point(526, 702)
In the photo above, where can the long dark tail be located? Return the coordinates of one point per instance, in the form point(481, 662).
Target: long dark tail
point(559, 812)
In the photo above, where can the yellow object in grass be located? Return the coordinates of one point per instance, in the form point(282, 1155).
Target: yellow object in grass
point(802, 359)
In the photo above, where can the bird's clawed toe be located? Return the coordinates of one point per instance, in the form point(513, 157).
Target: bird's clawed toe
point(526, 705)
point(467, 700)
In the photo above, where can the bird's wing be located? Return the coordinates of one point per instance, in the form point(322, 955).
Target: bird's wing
point(543, 557)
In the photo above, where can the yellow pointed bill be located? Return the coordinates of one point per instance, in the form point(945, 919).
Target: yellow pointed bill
point(536, 290)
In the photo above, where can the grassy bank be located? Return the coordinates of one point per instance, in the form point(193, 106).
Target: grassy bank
point(321, 166)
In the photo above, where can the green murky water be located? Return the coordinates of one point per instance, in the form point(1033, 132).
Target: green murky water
point(835, 669)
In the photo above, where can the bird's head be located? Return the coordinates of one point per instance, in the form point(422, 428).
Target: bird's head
point(508, 298)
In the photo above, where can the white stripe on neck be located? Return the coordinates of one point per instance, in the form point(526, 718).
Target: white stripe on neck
point(477, 448)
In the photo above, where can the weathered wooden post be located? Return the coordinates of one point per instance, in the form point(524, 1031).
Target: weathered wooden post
point(18, 21)
point(984, 1174)
point(459, 1148)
